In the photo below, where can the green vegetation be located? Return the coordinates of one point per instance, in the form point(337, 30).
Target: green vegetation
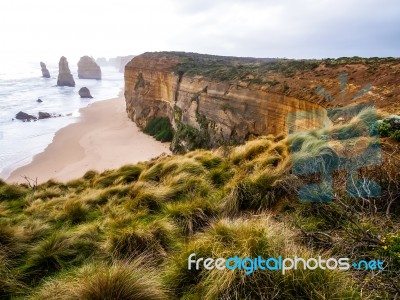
point(253, 70)
point(390, 127)
point(160, 128)
point(237, 68)
point(127, 233)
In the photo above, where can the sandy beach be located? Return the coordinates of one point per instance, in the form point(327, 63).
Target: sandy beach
point(103, 138)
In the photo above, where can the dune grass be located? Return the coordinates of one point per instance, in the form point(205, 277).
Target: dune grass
point(250, 238)
point(127, 233)
point(100, 281)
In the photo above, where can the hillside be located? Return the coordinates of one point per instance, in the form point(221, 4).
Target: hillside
point(128, 233)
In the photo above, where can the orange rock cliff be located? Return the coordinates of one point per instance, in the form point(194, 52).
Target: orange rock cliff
point(223, 100)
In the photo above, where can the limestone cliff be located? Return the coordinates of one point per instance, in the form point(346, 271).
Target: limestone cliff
point(88, 68)
point(224, 100)
point(64, 74)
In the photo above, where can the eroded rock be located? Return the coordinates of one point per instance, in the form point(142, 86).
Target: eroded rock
point(45, 72)
point(85, 93)
point(23, 116)
point(88, 68)
point(65, 77)
point(44, 115)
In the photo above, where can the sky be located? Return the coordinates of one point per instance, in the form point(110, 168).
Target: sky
point(47, 29)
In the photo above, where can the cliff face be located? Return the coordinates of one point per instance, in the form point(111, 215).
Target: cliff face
point(215, 111)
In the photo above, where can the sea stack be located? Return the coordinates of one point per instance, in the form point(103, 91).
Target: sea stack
point(88, 68)
point(85, 93)
point(45, 72)
point(64, 74)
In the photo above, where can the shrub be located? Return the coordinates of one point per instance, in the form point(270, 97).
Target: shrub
point(160, 128)
point(12, 192)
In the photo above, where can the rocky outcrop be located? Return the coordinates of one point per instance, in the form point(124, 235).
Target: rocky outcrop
point(64, 74)
point(44, 115)
point(85, 93)
point(102, 61)
point(118, 62)
point(25, 117)
point(45, 72)
point(88, 68)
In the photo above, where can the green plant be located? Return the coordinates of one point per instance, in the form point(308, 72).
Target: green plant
point(160, 128)
point(191, 216)
point(395, 135)
point(49, 256)
point(250, 238)
point(99, 281)
point(12, 192)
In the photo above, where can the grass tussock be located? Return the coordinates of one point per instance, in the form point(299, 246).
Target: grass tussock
point(250, 238)
point(99, 281)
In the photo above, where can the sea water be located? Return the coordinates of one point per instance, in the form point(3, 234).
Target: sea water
point(21, 85)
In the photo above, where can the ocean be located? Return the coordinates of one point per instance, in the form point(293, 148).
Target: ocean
point(21, 85)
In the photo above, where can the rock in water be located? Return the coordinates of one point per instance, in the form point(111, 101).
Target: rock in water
point(102, 61)
point(24, 116)
point(64, 74)
point(45, 72)
point(44, 115)
point(85, 93)
point(88, 68)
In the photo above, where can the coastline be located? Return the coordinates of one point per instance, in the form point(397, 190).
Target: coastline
point(103, 138)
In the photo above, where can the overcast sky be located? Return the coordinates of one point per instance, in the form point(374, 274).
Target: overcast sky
point(45, 29)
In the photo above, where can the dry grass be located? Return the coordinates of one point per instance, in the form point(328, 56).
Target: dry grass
point(84, 239)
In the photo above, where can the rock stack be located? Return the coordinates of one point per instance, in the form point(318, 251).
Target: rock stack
point(64, 74)
point(85, 93)
point(88, 68)
point(102, 61)
point(45, 72)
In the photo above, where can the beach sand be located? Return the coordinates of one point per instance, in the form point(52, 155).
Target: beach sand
point(103, 138)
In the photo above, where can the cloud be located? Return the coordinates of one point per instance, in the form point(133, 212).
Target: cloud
point(263, 28)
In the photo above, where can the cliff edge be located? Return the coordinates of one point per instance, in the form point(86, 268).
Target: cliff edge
point(214, 100)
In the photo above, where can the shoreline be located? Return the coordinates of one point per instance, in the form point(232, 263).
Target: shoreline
point(102, 138)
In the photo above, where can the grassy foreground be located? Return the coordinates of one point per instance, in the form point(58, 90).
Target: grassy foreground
point(127, 233)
